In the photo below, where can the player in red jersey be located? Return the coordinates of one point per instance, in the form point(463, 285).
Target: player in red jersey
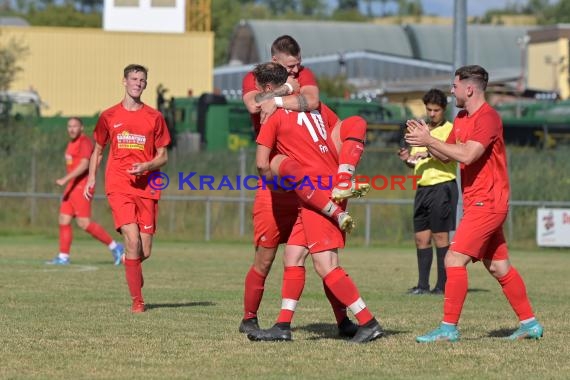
point(305, 137)
point(476, 142)
point(73, 204)
point(138, 139)
point(274, 213)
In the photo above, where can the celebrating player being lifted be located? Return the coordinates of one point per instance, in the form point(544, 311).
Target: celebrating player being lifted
point(301, 137)
point(275, 213)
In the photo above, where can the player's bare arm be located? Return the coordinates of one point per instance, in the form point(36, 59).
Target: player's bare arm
point(467, 153)
point(262, 162)
point(80, 169)
point(306, 100)
point(157, 162)
point(94, 163)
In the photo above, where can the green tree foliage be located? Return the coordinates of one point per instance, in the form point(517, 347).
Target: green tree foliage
point(335, 87)
point(65, 15)
point(226, 15)
point(557, 13)
point(347, 5)
point(11, 55)
point(410, 8)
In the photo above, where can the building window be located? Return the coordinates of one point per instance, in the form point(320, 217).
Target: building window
point(163, 3)
point(126, 3)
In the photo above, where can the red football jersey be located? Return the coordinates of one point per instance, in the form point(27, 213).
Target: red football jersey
point(81, 147)
point(134, 137)
point(306, 138)
point(305, 78)
point(485, 182)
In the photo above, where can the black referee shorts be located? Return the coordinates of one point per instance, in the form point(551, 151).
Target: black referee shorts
point(435, 207)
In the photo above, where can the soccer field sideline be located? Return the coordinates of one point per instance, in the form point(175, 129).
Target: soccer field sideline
point(74, 322)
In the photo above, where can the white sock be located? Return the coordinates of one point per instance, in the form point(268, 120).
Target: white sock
point(528, 320)
point(63, 256)
point(112, 245)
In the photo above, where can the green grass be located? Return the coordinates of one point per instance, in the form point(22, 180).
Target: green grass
point(74, 322)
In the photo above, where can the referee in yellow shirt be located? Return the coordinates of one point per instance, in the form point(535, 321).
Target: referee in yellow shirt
point(436, 198)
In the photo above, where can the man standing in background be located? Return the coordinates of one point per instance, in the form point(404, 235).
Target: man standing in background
point(435, 203)
point(73, 204)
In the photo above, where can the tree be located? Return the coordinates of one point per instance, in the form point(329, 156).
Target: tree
point(65, 15)
point(312, 7)
point(10, 56)
point(335, 87)
point(410, 8)
point(278, 7)
point(226, 14)
point(557, 13)
point(347, 5)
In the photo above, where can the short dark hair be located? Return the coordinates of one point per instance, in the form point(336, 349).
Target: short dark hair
point(134, 68)
point(435, 96)
point(270, 73)
point(79, 120)
point(474, 73)
point(286, 44)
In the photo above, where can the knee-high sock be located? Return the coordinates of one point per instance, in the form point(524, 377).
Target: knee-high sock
point(312, 194)
point(455, 293)
point(65, 238)
point(515, 291)
point(344, 289)
point(293, 284)
point(133, 274)
point(425, 258)
point(339, 309)
point(352, 135)
point(441, 277)
point(253, 293)
point(99, 233)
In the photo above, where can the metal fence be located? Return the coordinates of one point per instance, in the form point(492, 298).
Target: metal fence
point(363, 207)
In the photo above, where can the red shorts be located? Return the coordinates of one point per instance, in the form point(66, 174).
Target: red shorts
point(317, 232)
point(75, 204)
point(274, 215)
point(129, 208)
point(480, 235)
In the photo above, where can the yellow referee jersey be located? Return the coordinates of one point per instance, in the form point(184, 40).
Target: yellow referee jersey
point(432, 170)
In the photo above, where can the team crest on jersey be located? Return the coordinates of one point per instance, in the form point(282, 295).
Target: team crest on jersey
point(68, 159)
point(127, 140)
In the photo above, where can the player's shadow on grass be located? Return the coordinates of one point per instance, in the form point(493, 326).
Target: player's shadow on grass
point(500, 333)
point(330, 331)
point(175, 305)
point(477, 290)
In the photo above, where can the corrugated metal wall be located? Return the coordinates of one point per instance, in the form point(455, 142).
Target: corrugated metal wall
point(79, 71)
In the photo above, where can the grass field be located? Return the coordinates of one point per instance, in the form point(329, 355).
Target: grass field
point(74, 322)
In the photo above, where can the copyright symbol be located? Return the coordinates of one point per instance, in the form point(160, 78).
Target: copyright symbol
point(158, 180)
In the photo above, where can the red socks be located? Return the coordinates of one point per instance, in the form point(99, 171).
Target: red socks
point(254, 287)
point(65, 237)
point(515, 291)
point(346, 292)
point(455, 293)
point(99, 233)
point(352, 135)
point(133, 274)
point(339, 309)
point(293, 284)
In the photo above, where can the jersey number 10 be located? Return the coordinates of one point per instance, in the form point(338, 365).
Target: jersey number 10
point(317, 121)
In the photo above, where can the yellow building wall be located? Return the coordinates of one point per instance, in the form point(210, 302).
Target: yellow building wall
point(548, 66)
point(79, 71)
